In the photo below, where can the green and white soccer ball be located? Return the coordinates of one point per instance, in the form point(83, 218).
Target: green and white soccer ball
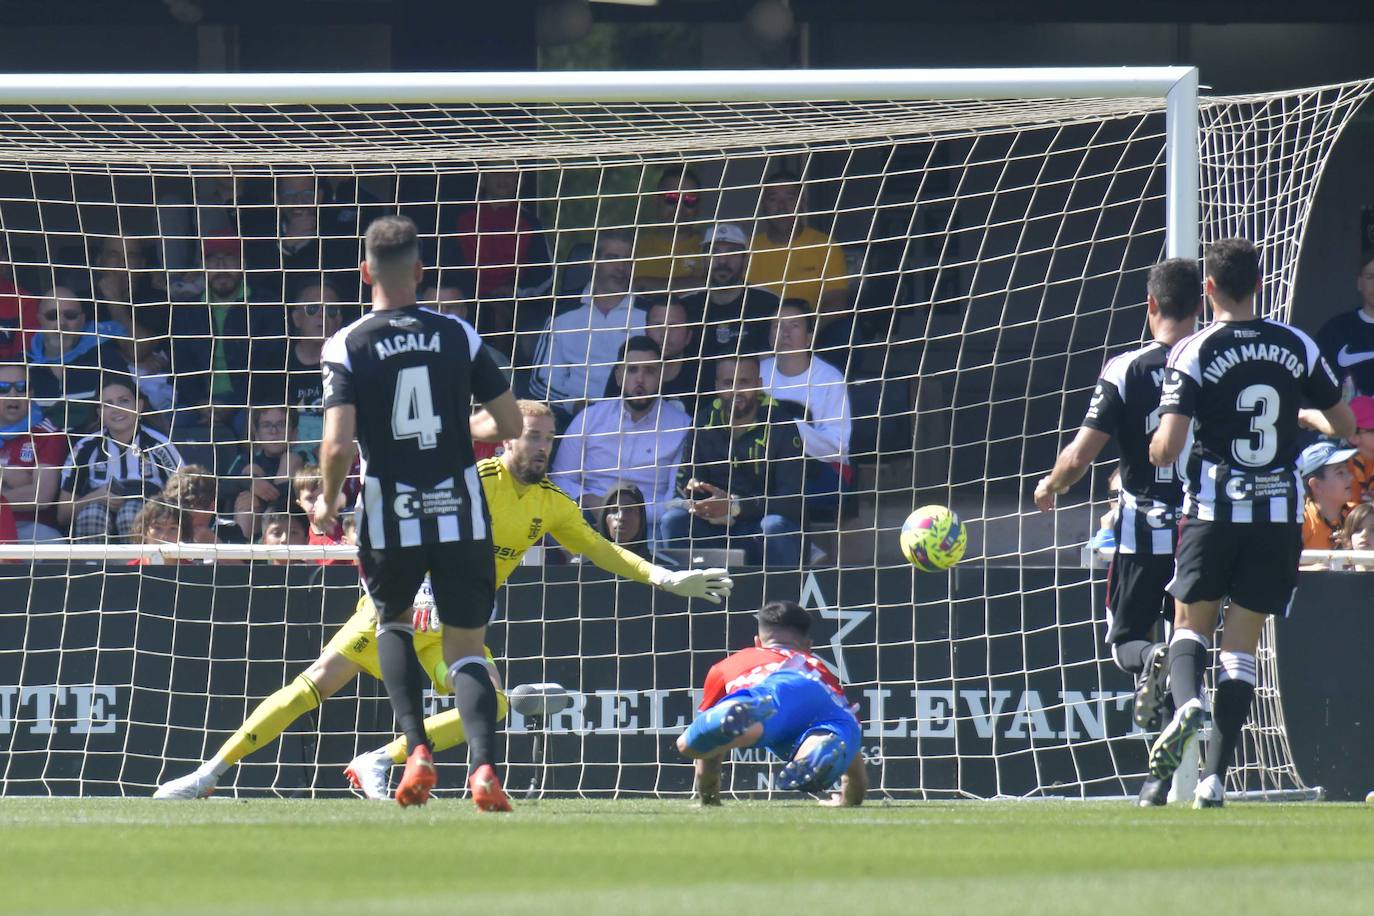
point(933, 538)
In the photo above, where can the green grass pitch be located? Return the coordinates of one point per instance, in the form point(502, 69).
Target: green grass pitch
point(663, 857)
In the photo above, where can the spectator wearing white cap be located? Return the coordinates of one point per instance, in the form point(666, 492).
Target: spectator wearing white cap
point(735, 316)
point(1362, 462)
point(1322, 467)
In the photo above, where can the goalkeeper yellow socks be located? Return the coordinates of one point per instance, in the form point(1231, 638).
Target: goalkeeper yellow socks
point(269, 719)
point(445, 731)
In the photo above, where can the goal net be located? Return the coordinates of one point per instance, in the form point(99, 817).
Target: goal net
point(970, 258)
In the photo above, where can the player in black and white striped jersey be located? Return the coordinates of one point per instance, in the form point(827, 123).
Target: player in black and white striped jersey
point(1238, 387)
point(1125, 406)
point(403, 379)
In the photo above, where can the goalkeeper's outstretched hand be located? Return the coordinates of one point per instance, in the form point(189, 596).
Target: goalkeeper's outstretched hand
point(425, 620)
point(711, 584)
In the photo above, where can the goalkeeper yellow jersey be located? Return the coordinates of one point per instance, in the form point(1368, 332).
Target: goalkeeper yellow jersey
point(521, 514)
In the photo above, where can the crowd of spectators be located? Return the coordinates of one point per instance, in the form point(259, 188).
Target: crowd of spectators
point(171, 391)
point(697, 367)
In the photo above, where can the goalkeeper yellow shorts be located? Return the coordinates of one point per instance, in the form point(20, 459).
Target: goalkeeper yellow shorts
point(356, 641)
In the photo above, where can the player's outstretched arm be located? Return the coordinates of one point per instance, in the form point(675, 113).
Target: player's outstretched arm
point(571, 530)
point(1072, 464)
point(336, 458)
point(498, 420)
point(708, 781)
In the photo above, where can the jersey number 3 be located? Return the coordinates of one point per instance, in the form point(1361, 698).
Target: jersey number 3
point(1262, 401)
point(412, 410)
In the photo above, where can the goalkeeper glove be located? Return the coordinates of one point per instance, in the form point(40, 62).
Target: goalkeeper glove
point(424, 619)
point(711, 584)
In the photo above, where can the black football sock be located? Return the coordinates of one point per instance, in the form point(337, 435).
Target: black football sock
point(1230, 708)
point(1131, 657)
point(1188, 659)
point(474, 695)
point(404, 680)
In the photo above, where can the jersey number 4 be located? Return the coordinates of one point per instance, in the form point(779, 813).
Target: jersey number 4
point(412, 410)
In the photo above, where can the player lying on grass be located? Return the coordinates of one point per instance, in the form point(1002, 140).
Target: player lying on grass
point(779, 696)
point(524, 505)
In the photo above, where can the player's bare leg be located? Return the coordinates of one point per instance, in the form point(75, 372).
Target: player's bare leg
point(325, 677)
point(474, 696)
point(1236, 677)
point(1188, 659)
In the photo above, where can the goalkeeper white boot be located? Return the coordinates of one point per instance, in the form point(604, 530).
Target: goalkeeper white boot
point(1210, 793)
point(199, 784)
point(370, 774)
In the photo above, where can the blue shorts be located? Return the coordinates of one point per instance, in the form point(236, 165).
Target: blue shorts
point(805, 706)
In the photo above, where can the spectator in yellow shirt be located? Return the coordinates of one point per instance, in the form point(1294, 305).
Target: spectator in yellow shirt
point(793, 259)
point(668, 244)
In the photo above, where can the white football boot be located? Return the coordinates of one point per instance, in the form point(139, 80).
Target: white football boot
point(1210, 793)
point(199, 784)
point(370, 774)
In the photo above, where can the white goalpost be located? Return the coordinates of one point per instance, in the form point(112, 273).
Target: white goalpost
point(975, 247)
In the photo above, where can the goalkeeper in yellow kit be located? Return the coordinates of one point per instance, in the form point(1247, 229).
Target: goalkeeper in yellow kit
point(524, 505)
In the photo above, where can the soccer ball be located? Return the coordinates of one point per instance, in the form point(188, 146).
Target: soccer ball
point(933, 538)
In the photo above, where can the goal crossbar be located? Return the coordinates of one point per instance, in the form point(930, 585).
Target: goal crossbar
point(592, 86)
point(1178, 86)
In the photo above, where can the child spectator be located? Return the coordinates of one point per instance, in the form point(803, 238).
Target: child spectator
point(267, 464)
point(191, 491)
point(283, 528)
point(1322, 466)
point(157, 523)
point(623, 520)
point(113, 470)
point(1358, 533)
point(307, 485)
